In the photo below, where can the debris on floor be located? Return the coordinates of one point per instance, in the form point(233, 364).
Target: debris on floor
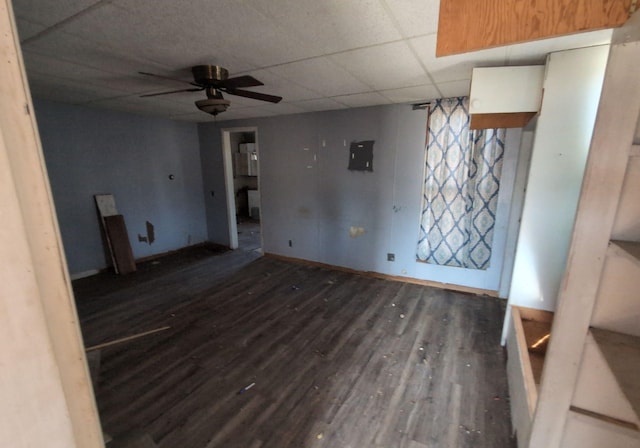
point(246, 388)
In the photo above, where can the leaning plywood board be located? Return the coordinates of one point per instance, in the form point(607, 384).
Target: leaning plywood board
point(117, 233)
point(106, 204)
point(597, 389)
point(582, 431)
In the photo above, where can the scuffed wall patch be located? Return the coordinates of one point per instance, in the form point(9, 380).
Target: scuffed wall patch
point(355, 232)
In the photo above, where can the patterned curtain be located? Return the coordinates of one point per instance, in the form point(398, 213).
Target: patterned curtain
point(461, 185)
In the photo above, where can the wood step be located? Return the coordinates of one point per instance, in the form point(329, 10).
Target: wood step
point(598, 389)
point(622, 353)
point(618, 305)
point(585, 431)
point(629, 249)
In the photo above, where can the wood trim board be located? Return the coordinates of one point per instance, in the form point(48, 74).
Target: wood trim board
point(396, 278)
point(502, 120)
point(47, 398)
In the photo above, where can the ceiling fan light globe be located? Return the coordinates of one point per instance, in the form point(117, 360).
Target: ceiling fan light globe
point(213, 106)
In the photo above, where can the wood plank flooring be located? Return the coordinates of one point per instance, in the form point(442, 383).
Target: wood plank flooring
point(338, 360)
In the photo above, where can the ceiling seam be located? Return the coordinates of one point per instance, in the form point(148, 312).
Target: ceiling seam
point(66, 21)
point(405, 38)
point(335, 53)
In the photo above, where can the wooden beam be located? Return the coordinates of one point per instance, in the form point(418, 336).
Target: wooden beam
point(468, 25)
point(47, 399)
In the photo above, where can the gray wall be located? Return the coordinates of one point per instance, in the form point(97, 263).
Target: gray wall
point(90, 151)
point(309, 197)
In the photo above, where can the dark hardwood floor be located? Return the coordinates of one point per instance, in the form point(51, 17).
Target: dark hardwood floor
point(338, 360)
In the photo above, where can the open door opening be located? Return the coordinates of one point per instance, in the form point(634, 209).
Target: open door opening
point(242, 181)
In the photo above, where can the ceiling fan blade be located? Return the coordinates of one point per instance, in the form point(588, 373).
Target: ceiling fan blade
point(239, 81)
point(254, 95)
point(197, 89)
point(169, 79)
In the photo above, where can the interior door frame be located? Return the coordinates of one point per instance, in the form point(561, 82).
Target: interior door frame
point(228, 179)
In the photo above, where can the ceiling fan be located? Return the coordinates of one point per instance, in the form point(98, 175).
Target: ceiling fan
point(214, 80)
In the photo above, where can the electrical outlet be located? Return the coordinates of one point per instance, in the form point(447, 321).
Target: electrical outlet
point(391, 257)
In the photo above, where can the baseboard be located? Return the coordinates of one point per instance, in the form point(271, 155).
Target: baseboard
point(175, 251)
point(395, 278)
point(89, 273)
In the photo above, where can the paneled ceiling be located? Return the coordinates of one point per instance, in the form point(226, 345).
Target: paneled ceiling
point(317, 54)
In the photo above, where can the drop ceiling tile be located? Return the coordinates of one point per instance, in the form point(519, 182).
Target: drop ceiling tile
point(330, 26)
point(454, 88)
point(277, 85)
point(412, 94)
point(196, 117)
point(362, 99)
point(60, 94)
point(236, 114)
point(535, 52)
point(49, 87)
point(199, 28)
point(415, 18)
point(383, 67)
point(82, 51)
point(49, 12)
point(321, 75)
point(456, 67)
point(131, 108)
point(154, 105)
point(27, 29)
point(36, 63)
point(281, 108)
point(319, 104)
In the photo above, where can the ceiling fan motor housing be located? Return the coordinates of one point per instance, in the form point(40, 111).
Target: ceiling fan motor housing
point(209, 74)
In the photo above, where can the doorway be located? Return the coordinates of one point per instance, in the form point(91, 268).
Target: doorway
point(242, 181)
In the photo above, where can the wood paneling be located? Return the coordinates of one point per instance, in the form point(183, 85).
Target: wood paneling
point(467, 25)
point(338, 359)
